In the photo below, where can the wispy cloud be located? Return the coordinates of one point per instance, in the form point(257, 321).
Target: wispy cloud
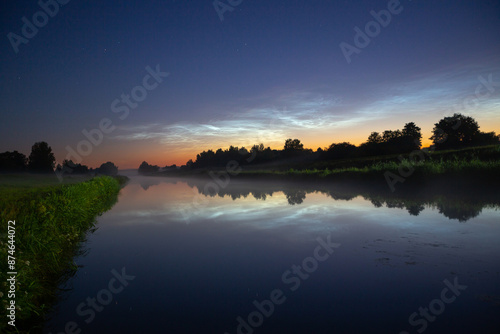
point(438, 93)
point(274, 117)
point(268, 124)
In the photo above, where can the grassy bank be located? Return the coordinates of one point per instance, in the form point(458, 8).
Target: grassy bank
point(51, 220)
point(431, 168)
point(481, 153)
point(471, 163)
point(467, 165)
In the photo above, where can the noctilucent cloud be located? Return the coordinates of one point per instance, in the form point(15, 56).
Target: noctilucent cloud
point(163, 80)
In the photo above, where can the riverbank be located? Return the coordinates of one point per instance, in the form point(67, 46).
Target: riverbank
point(48, 222)
point(476, 164)
point(394, 171)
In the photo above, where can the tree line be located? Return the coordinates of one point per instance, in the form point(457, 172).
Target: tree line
point(42, 160)
point(454, 132)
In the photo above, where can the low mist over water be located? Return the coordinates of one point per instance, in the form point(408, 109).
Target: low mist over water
point(270, 258)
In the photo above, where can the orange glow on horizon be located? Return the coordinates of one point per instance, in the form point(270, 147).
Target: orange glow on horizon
point(181, 158)
point(129, 155)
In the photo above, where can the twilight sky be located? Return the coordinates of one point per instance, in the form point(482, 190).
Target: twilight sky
point(268, 71)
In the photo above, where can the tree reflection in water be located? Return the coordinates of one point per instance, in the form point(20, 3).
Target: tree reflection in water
point(458, 202)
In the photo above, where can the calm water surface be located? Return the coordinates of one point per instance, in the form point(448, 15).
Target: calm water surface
point(256, 259)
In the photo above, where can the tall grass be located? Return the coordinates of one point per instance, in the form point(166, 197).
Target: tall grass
point(428, 168)
point(441, 166)
point(50, 224)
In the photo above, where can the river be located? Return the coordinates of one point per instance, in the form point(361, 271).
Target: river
point(178, 256)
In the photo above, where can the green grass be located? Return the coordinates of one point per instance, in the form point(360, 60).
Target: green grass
point(38, 180)
point(13, 186)
point(428, 168)
point(52, 219)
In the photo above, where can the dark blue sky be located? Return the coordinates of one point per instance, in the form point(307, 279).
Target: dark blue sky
point(269, 71)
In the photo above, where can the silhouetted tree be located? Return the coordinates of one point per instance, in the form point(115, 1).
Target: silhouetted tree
point(414, 132)
point(293, 145)
point(259, 154)
point(454, 132)
point(205, 159)
point(146, 168)
point(257, 148)
point(209, 159)
point(340, 151)
point(13, 162)
point(374, 138)
point(293, 148)
point(172, 167)
point(390, 135)
point(456, 129)
point(70, 167)
point(486, 138)
point(108, 168)
point(41, 159)
point(392, 142)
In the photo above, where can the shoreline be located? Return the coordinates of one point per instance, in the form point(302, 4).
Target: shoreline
point(390, 173)
point(51, 223)
point(474, 163)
